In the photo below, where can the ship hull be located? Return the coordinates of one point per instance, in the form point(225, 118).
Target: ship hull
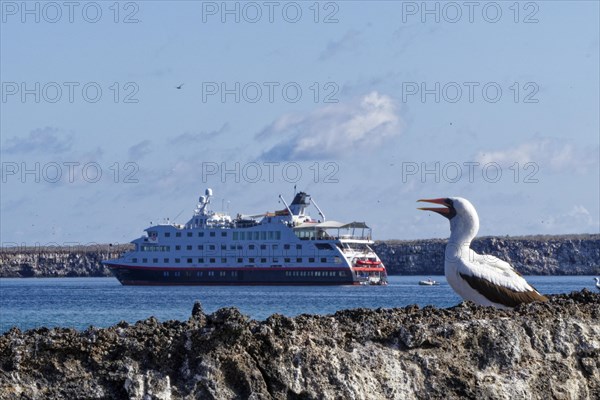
point(157, 276)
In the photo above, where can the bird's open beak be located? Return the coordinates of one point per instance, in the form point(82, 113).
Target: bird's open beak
point(443, 211)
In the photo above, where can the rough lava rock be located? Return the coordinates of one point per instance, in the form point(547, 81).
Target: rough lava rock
point(538, 351)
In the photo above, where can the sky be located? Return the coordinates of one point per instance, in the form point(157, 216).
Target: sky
point(366, 105)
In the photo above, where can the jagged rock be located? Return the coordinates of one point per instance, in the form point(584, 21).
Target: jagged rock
point(539, 351)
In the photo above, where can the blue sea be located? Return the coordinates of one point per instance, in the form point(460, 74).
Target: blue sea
point(81, 302)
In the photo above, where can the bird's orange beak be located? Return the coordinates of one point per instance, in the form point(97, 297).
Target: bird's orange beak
point(443, 211)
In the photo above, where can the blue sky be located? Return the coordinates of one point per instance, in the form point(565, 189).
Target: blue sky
point(368, 106)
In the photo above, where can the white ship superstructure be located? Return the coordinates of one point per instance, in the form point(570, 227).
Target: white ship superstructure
point(280, 248)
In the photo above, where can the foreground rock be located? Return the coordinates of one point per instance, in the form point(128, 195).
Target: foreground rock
point(539, 351)
point(530, 255)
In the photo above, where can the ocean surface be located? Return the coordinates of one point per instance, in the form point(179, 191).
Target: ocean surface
point(81, 302)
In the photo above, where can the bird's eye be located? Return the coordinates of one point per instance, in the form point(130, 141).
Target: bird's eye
point(450, 202)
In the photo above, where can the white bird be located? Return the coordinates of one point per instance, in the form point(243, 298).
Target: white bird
point(597, 282)
point(483, 279)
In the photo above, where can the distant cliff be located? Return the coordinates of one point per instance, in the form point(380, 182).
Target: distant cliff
point(538, 351)
point(531, 255)
point(65, 261)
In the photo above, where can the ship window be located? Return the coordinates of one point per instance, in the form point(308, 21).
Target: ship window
point(224, 234)
point(298, 247)
point(299, 259)
point(275, 259)
point(177, 260)
point(232, 247)
point(165, 260)
point(165, 273)
point(189, 260)
point(263, 260)
point(323, 246)
point(236, 235)
point(240, 260)
point(251, 260)
point(239, 247)
point(342, 273)
point(251, 247)
point(211, 247)
point(286, 246)
point(212, 234)
point(134, 260)
point(177, 247)
point(200, 247)
point(189, 234)
point(223, 247)
point(277, 235)
point(178, 234)
point(256, 235)
point(287, 260)
point(311, 259)
point(212, 260)
point(223, 273)
point(201, 260)
point(189, 247)
point(167, 234)
point(263, 235)
point(270, 235)
point(263, 246)
point(323, 259)
point(200, 234)
point(144, 260)
point(275, 247)
point(211, 273)
point(155, 260)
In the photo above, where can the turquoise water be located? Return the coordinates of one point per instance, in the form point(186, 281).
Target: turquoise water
point(81, 302)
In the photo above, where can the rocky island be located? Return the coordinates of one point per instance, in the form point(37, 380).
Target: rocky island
point(530, 255)
point(537, 351)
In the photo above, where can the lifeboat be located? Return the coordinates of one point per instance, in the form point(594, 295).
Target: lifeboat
point(368, 263)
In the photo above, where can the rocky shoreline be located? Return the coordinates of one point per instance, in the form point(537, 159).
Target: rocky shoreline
point(531, 255)
point(538, 351)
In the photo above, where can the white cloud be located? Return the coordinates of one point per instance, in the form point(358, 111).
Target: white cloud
point(549, 153)
point(45, 140)
point(346, 43)
point(577, 220)
point(188, 138)
point(334, 130)
point(139, 150)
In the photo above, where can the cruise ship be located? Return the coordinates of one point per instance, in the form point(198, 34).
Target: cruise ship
point(285, 247)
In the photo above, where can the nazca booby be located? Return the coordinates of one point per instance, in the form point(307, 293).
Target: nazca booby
point(483, 279)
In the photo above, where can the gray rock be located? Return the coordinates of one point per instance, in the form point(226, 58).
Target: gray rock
point(537, 351)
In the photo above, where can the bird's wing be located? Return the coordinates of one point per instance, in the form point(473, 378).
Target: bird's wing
point(496, 280)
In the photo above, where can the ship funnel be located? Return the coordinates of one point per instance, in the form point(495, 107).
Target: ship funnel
point(299, 204)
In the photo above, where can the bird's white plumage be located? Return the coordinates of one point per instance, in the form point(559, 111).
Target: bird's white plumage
point(597, 282)
point(461, 260)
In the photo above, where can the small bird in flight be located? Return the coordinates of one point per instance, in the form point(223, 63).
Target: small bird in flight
point(483, 279)
point(179, 87)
